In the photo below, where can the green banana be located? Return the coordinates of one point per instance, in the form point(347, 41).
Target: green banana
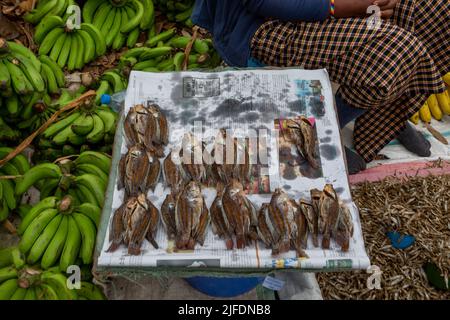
point(53, 65)
point(44, 239)
point(5, 78)
point(25, 52)
point(74, 53)
point(12, 105)
point(101, 14)
point(98, 159)
point(179, 42)
point(83, 125)
point(8, 273)
point(8, 193)
point(91, 211)
point(45, 26)
point(102, 89)
point(99, 40)
point(94, 184)
point(88, 236)
point(8, 288)
point(19, 294)
point(30, 295)
point(114, 79)
point(133, 37)
point(72, 245)
point(32, 75)
point(52, 83)
point(201, 46)
point(19, 82)
point(61, 124)
point(49, 40)
point(90, 168)
point(149, 16)
point(85, 195)
point(134, 21)
point(19, 161)
point(56, 245)
point(98, 131)
point(155, 52)
point(109, 120)
point(38, 172)
point(57, 47)
point(163, 36)
point(59, 283)
point(35, 228)
point(109, 25)
point(178, 60)
point(90, 291)
point(113, 31)
point(89, 46)
point(49, 188)
point(89, 9)
point(145, 64)
point(45, 204)
point(4, 210)
point(81, 50)
point(36, 15)
point(46, 292)
point(75, 139)
point(65, 51)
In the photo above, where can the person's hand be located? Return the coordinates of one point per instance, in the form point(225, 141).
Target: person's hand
point(387, 7)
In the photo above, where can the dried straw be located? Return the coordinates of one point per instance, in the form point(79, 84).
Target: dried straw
point(417, 206)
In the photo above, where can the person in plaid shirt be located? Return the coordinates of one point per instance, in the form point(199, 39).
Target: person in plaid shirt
point(386, 70)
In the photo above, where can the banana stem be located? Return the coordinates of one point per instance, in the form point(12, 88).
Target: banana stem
point(9, 227)
point(188, 49)
point(10, 177)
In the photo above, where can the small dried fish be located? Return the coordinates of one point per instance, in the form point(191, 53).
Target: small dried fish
point(222, 169)
point(134, 220)
point(191, 217)
point(328, 214)
point(191, 156)
point(168, 216)
point(312, 217)
point(148, 126)
point(344, 230)
point(139, 171)
point(302, 134)
point(235, 214)
point(174, 174)
point(219, 221)
point(282, 225)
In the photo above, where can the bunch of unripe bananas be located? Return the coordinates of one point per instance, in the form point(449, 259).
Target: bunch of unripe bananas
point(46, 8)
point(436, 106)
point(58, 231)
point(19, 281)
point(89, 125)
point(69, 47)
point(179, 11)
point(14, 168)
point(119, 21)
point(85, 178)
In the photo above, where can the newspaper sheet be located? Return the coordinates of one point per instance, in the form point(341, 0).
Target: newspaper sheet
point(245, 100)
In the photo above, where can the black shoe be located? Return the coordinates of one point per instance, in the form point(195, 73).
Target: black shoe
point(414, 141)
point(355, 163)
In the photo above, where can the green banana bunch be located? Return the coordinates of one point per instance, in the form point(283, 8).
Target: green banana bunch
point(20, 70)
point(48, 8)
point(89, 291)
point(71, 48)
point(120, 21)
point(179, 11)
point(8, 134)
point(59, 231)
point(31, 283)
point(88, 125)
point(17, 167)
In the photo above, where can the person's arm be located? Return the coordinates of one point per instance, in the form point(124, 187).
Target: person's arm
point(304, 10)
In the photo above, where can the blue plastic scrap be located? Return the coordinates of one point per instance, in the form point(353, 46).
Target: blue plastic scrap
point(400, 241)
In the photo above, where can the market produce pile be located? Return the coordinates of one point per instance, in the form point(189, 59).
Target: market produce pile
point(62, 132)
point(418, 206)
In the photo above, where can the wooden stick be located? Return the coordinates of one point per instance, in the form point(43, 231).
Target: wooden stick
point(187, 52)
point(25, 143)
point(9, 227)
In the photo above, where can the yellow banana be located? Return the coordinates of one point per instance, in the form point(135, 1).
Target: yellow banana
point(425, 113)
point(434, 107)
point(444, 102)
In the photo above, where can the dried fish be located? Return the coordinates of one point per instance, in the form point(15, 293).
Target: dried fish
point(312, 217)
point(168, 216)
point(328, 214)
point(302, 134)
point(235, 214)
point(134, 220)
point(139, 170)
point(191, 217)
point(148, 126)
point(191, 156)
point(174, 174)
